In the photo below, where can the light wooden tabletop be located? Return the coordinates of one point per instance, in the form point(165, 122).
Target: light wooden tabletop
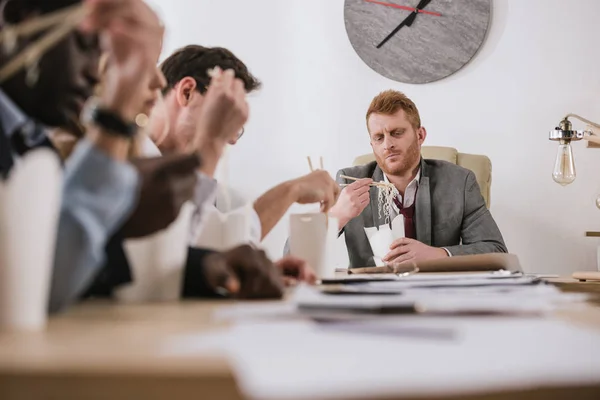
point(103, 348)
point(100, 349)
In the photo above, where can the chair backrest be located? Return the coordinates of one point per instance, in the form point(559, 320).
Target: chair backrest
point(479, 164)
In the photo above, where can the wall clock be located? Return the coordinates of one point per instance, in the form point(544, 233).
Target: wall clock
point(417, 41)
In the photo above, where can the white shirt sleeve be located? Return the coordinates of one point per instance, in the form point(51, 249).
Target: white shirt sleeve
point(255, 226)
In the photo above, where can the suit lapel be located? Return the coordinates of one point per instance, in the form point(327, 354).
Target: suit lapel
point(374, 203)
point(423, 207)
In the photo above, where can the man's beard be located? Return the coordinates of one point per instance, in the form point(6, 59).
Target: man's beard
point(407, 161)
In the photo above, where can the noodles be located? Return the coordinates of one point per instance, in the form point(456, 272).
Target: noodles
point(385, 199)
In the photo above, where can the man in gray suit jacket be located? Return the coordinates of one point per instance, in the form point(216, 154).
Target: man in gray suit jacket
point(443, 210)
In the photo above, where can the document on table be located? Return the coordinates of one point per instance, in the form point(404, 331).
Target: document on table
point(384, 297)
point(442, 276)
point(389, 358)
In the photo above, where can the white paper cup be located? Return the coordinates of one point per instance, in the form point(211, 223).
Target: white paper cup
point(28, 226)
point(312, 238)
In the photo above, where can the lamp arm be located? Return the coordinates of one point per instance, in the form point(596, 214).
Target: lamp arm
point(587, 121)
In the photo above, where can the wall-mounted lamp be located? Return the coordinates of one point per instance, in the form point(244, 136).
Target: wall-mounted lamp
point(564, 166)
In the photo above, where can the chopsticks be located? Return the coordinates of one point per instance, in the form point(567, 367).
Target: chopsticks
point(310, 164)
point(377, 184)
point(38, 24)
point(66, 21)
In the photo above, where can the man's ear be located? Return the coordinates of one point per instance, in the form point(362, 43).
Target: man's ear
point(421, 135)
point(184, 90)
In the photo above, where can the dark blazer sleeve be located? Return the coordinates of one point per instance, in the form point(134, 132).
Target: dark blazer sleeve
point(116, 272)
point(479, 232)
point(341, 181)
point(194, 282)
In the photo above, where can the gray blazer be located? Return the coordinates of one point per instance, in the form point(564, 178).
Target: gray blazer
point(450, 213)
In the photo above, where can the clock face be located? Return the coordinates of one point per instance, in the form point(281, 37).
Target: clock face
point(412, 47)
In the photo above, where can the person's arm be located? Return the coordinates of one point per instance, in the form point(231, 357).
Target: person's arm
point(98, 194)
point(242, 272)
point(354, 198)
point(272, 206)
point(316, 187)
point(222, 114)
point(166, 183)
point(100, 190)
point(479, 233)
point(211, 151)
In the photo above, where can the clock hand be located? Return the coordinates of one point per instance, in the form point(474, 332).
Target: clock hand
point(404, 7)
point(422, 4)
point(408, 21)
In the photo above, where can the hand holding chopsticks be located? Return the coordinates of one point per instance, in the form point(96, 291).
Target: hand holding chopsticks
point(128, 26)
point(376, 184)
point(221, 114)
point(66, 20)
point(317, 187)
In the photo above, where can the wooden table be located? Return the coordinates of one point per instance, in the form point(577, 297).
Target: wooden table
point(101, 350)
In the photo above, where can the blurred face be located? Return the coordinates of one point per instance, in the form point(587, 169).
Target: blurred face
point(67, 76)
point(156, 82)
point(152, 80)
point(396, 143)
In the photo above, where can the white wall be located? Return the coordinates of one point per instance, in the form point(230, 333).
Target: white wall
point(540, 61)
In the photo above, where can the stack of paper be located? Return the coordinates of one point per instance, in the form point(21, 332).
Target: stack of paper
point(452, 293)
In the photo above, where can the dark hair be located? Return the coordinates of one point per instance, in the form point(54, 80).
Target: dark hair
point(16, 10)
point(195, 61)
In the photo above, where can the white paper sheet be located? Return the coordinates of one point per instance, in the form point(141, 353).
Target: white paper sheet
point(304, 360)
point(264, 310)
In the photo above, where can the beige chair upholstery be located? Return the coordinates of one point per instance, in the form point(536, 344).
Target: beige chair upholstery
point(479, 164)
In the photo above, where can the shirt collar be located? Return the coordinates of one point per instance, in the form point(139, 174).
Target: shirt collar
point(12, 118)
point(415, 180)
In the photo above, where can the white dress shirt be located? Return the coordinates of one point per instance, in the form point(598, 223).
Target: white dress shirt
point(409, 198)
point(410, 194)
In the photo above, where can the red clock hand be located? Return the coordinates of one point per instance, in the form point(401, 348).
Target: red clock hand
point(403, 7)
